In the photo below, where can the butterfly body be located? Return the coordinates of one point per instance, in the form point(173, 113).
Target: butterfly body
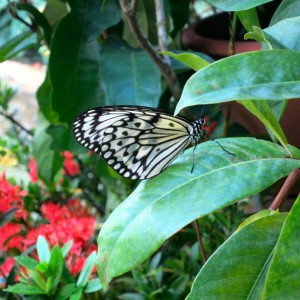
point(138, 142)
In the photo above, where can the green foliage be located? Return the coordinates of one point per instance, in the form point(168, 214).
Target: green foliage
point(43, 278)
point(96, 60)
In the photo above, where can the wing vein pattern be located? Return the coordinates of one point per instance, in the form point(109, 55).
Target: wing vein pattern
point(138, 142)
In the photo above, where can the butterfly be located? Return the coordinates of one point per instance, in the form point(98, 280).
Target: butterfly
point(137, 142)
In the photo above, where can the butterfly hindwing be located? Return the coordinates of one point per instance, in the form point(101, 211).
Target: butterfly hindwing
point(138, 142)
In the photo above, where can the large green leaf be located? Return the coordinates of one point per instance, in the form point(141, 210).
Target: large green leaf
point(44, 99)
point(286, 9)
point(248, 76)
point(191, 60)
point(285, 34)
point(237, 270)
point(48, 161)
point(233, 5)
point(262, 110)
point(159, 207)
point(248, 18)
point(283, 277)
point(74, 62)
point(129, 75)
point(56, 265)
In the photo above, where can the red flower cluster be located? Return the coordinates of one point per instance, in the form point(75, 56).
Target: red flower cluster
point(10, 197)
point(66, 222)
point(70, 221)
point(70, 165)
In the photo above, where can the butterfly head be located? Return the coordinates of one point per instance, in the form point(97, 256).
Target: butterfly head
point(199, 132)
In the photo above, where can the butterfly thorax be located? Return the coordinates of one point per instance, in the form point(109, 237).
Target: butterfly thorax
point(198, 132)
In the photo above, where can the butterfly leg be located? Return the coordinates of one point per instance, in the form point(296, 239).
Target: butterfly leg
point(224, 148)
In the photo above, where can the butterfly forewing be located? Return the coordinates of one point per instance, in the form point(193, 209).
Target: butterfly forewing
point(138, 142)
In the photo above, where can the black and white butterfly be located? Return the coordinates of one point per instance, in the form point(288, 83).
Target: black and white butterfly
point(138, 142)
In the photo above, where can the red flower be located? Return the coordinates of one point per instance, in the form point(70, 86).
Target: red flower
point(6, 267)
point(33, 170)
point(70, 165)
point(10, 197)
point(10, 236)
point(76, 262)
point(66, 222)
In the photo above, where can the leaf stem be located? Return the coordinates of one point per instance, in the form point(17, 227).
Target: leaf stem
point(15, 122)
point(200, 242)
point(290, 182)
point(165, 69)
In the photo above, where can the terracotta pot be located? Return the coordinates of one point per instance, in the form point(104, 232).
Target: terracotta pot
point(211, 36)
point(290, 121)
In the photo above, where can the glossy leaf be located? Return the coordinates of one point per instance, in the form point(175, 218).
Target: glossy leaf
point(74, 62)
point(263, 112)
point(233, 5)
point(24, 289)
point(26, 261)
point(66, 248)
point(255, 217)
point(77, 295)
point(39, 281)
point(93, 286)
point(49, 162)
point(86, 270)
point(283, 277)
point(237, 269)
point(11, 48)
point(66, 291)
point(248, 18)
point(152, 213)
point(191, 60)
point(56, 265)
point(286, 9)
point(44, 99)
point(43, 250)
point(258, 35)
point(248, 76)
point(139, 81)
point(285, 34)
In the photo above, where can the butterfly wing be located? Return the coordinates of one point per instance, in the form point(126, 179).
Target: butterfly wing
point(138, 142)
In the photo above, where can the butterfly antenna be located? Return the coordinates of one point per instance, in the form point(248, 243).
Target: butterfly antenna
point(217, 108)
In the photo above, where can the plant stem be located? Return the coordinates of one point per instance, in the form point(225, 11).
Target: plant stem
point(199, 238)
point(161, 28)
point(15, 122)
point(165, 69)
point(290, 182)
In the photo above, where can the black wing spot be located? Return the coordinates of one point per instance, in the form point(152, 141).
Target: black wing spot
point(158, 149)
point(120, 143)
point(125, 133)
point(137, 124)
point(171, 124)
